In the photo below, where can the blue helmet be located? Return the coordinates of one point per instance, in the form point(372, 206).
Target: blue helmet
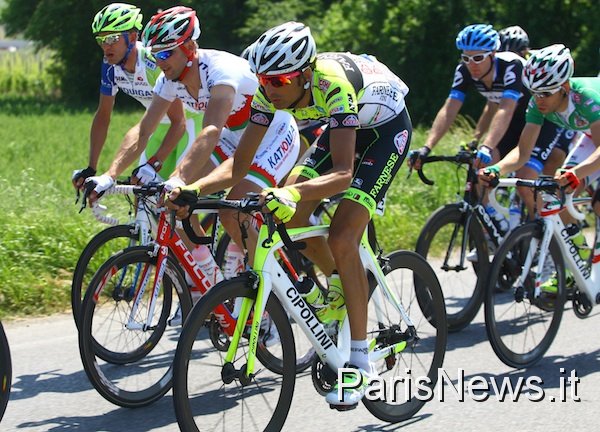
point(478, 37)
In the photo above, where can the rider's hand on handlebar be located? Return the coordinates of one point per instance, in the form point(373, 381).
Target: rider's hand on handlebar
point(567, 178)
point(415, 157)
point(96, 185)
point(282, 202)
point(489, 176)
point(484, 156)
point(79, 176)
point(180, 199)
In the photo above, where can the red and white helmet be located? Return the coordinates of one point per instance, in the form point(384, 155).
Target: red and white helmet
point(171, 28)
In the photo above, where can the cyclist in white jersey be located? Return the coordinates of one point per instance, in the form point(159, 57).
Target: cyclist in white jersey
point(129, 67)
point(220, 85)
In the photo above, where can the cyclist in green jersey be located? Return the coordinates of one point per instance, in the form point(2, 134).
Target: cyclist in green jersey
point(130, 67)
point(573, 103)
point(362, 102)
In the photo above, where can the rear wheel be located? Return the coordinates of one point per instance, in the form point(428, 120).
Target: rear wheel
point(458, 256)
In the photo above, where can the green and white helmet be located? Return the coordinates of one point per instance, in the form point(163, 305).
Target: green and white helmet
point(548, 68)
point(117, 17)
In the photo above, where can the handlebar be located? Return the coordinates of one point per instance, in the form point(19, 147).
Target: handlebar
point(463, 157)
point(544, 185)
point(98, 210)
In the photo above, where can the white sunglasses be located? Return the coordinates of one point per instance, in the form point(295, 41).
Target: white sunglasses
point(476, 58)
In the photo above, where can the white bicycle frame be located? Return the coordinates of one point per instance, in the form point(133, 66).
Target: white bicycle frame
point(274, 279)
point(587, 275)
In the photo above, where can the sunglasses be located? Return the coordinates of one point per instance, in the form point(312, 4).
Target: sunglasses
point(544, 94)
point(278, 80)
point(110, 39)
point(477, 58)
point(164, 55)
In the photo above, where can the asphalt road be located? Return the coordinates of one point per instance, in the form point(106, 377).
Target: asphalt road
point(51, 392)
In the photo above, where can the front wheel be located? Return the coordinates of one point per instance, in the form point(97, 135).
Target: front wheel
point(413, 283)
point(458, 255)
point(125, 342)
point(520, 324)
point(210, 394)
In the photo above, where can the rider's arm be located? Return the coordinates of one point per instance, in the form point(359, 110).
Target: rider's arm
point(483, 124)
point(217, 111)
point(175, 132)
point(99, 128)
point(234, 169)
point(443, 120)
point(518, 156)
point(338, 178)
point(592, 163)
point(136, 139)
point(500, 122)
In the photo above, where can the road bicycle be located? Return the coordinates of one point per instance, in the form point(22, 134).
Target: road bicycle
point(456, 241)
point(5, 371)
point(140, 230)
point(125, 342)
point(522, 321)
point(230, 389)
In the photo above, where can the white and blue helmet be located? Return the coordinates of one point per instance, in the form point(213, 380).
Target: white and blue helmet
point(478, 37)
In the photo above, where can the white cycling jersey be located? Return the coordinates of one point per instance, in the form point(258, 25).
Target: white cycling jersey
point(216, 68)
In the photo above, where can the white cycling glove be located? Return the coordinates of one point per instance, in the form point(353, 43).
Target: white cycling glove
point(146, 174)
point(101, 182)
point(172, 183)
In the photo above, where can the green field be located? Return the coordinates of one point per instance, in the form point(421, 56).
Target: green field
point(43, 234)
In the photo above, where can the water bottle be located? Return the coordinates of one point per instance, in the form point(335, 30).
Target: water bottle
point(210, 269)
point(498, 219)
point(514, 214)
point(234, 260)
point(578, 239)
point(310, 292)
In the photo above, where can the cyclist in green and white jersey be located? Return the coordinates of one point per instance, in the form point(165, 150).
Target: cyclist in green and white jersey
point(573, 103)
point(131, 68)
point(362, 102)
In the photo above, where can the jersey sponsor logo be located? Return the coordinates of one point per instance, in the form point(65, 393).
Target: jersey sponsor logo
point(357, 182)
point(340, 58)
point(336, 100)
point(259, 106)
point(368, 162)
point(400, 141)
point(385, 91)
point(324, 84)
point(509, 76)
point(150, 64)
point(333, 123)
point(351, 121)
point(260, 118)
point(282, 151)
point(458, 79)
point(309, 162)
point(576, 98)
point(580, 122)
point(595, 108)
point(137, 92)
point(120, 78)
point(351, 103)
point(197, 105)
point(386, 175)
point(337, 110)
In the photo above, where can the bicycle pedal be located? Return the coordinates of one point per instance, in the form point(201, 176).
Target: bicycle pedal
point(342, 407)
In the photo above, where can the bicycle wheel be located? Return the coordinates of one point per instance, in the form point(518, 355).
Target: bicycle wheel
point(305, 353)
point(5, 371)
point(441, 244)
point(125, 344)
point(209, 395)
point(521, 326)
point(414, 284)
point(95, 253)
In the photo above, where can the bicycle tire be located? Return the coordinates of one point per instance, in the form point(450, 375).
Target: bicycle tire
point(5, 371)
point(197, 359)
point(506, 337)
point(82, 269)
point(403, 269)
point(304, 358)
point(129, 376)
point(462, 299)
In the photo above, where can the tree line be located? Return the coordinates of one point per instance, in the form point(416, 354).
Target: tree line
point(415, 38)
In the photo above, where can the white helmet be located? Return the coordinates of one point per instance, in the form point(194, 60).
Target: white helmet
point(286, 48)
point(548, 68)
